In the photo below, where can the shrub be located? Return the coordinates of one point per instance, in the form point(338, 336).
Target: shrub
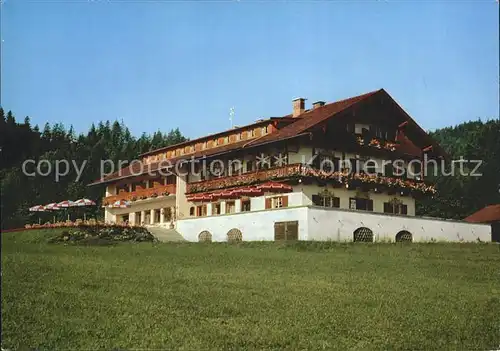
point(102, 235)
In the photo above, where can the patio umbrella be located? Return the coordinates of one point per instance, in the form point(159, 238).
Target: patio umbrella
point(66, 204)
point(37, 208)
point(84, 202)
point(52, 207)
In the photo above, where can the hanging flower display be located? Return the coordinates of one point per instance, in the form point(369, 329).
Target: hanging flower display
point(298, 170)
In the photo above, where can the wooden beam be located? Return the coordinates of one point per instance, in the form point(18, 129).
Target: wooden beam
point(405, 123)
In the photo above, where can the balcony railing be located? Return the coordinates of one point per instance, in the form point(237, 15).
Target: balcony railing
point(141, 194)
point(245, 178)
point(298, 170)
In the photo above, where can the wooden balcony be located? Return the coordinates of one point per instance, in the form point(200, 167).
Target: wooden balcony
point(141, 194)
point(249, 178)
point(295, 171)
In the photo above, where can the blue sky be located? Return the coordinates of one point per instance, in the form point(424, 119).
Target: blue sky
point(161, 65)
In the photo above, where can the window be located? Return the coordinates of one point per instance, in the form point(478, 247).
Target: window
point(396, 207)
point(360, 204)
point(369, 166)
point(234, 167)
point(326, 163)
point(417, 169)
point(201, 210)
point(363, 235)
point(215, 209)
point(326, 201)
point(230, 207)
point(170, 179)
point(277, 202)
point(245, 205)
point(388, 170)
point(191, 211)
point(250, 166)
point(350, 127)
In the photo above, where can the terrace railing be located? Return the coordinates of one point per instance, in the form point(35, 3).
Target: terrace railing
point(141, 194)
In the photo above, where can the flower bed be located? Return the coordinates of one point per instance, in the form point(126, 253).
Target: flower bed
point(103, 235)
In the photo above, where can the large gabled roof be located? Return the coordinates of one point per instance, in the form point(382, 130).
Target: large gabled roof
point(296, 127)
point(488, 214)
point(311, 118)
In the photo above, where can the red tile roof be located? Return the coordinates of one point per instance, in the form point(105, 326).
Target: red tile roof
point(488, 214)
point(295, 127)
point(313, 117)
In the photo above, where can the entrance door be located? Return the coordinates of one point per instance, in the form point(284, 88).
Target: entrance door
point(286, 230)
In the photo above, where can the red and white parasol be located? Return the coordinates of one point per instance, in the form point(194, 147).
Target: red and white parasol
point(52, 207)
point(66, 204)
point(84, 202)
point(37, 208)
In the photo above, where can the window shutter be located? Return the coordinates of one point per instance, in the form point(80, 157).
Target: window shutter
point(316, 199)
point(268, 203)
point(387, 207)
point(336, 164)
point(369, 205)
point(404, 209)
point(336, 202)
point(354, 168)
point(284, 200)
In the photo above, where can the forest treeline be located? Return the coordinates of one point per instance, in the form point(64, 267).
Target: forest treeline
point(20, 141)
point(458, 196)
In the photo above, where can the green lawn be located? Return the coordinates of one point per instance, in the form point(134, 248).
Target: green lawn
point(249, 296)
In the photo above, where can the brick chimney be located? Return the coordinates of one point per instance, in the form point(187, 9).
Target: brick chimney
point(299, 106)
point(318, 104)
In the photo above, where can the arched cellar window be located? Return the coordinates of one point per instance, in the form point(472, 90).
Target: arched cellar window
point(234, 235)
point(404, 236)
point(363, 234)
point(205, 236)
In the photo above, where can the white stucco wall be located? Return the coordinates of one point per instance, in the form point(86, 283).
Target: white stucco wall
point(339, 225)
point(321, 224)
point(255, 226)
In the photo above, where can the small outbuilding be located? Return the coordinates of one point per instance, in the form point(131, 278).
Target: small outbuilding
point(490, 215)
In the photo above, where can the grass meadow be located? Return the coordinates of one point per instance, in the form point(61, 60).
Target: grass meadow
point(302, 295)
